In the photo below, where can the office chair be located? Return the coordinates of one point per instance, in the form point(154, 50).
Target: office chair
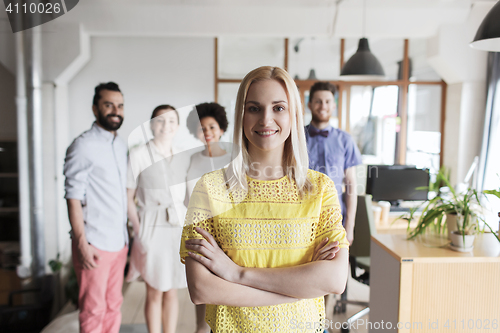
point(359, 256)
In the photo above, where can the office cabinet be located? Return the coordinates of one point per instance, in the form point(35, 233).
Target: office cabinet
point(414, 288)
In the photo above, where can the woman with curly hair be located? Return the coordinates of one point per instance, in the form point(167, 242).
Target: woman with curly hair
point(207, 122)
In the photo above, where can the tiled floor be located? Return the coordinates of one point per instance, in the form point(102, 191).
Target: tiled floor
point(355, 292)
point(133, 320)
point(133, 311)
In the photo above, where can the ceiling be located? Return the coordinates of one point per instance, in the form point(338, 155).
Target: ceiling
point(279, 18)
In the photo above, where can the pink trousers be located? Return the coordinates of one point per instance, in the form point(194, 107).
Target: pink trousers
point(100, 297)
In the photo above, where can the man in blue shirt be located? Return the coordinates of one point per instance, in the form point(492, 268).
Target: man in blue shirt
point(333, 151)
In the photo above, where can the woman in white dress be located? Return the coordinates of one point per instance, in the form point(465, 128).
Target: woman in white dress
point(157, 219)
point(207, 123)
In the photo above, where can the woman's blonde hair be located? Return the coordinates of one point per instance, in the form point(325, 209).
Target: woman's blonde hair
point(295, 159)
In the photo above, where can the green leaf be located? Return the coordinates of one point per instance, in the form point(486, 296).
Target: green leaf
point(492, 192)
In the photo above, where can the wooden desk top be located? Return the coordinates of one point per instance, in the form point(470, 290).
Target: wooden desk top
point(486, 249)
point(395, 225)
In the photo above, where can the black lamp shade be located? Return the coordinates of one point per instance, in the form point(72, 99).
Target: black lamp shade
point(312, 75)
point(488, 34)
point(363, 65)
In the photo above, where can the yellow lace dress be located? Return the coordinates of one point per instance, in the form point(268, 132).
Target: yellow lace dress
point(268, 226)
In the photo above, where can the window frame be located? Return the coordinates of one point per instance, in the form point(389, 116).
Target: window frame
point(403, 84)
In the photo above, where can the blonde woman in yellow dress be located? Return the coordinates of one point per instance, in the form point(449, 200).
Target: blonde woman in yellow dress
point(207, 122)
point(260, 236)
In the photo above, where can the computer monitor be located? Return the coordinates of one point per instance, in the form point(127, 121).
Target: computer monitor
point(395, 183)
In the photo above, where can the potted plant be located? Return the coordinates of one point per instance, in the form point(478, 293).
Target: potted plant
point(431, 226)
point(459, 213)
point(466, 218)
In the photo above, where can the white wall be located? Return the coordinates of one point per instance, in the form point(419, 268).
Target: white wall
point(449, 51)
point(464, 69)
point(50, 202)
point(150, 71)
point(464, 123)
point(61, 45)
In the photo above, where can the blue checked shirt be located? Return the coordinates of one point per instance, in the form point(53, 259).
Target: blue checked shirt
point(332, 155)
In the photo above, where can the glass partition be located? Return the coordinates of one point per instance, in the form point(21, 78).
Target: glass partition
point(424, 126)
point(420, 69)
point(368, 111)
point(373, 122)
point(227, 98)
point(318, 53)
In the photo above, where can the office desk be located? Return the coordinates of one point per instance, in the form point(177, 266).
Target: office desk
point(395, 225)
point(434, 289)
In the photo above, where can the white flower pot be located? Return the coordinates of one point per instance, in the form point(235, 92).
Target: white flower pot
point(463, 243)
point(451, 224)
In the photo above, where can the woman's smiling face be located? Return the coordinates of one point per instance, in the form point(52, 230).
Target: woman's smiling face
point(165, 124)
point(209, 130)
point(266, 118)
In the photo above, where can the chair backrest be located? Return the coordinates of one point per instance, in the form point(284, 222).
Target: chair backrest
point(364, 227)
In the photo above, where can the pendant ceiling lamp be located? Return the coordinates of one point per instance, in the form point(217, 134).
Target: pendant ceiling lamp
point(363, 65)
point(312, 75)
point(312, 72)
point(488, 34)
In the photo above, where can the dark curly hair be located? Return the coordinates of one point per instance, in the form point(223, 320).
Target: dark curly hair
point(320, 86)
point(203, 110)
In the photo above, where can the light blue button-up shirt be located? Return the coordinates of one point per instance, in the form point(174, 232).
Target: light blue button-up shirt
point(96, 174)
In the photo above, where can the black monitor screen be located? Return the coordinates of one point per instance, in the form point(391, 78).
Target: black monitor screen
point(396, 182)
